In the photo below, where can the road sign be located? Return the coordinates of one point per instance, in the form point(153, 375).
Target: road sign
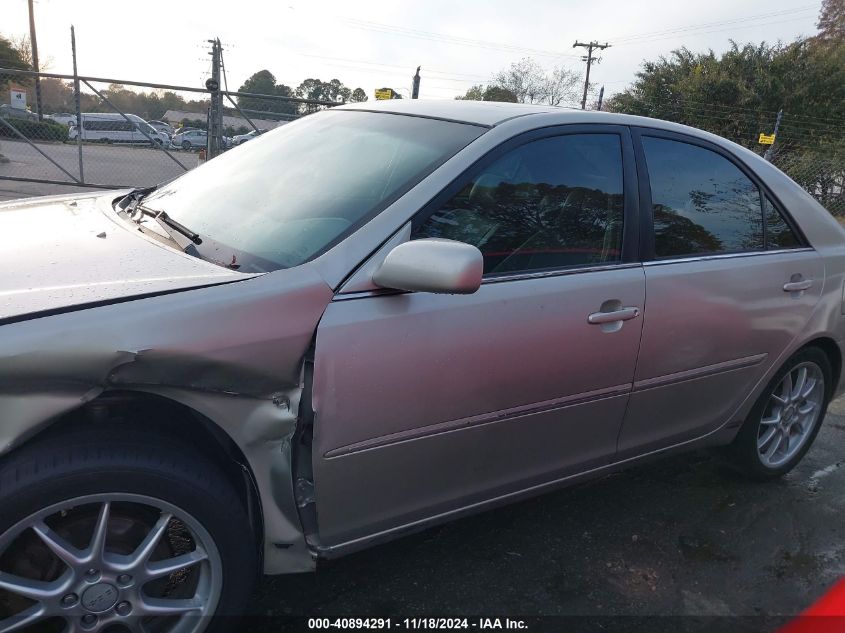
point(766, 139)
point(384, 93)
point(212, 85)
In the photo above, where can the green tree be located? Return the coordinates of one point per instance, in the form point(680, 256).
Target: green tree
point(490, 93)
point(831, 22)
point(264, 82)
point(358, 95)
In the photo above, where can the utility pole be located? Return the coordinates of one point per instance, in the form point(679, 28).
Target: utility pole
point(768, 154)
point(33, 45)
point(215, 113)
point(415, 90)
point(590, 46)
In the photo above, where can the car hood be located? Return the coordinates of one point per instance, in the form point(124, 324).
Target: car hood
point(61, 253)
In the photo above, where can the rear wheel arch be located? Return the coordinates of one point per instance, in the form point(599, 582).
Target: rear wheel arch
point(834, 355)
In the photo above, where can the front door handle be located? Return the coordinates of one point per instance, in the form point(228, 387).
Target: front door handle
point(798, 286)
point(622, 314)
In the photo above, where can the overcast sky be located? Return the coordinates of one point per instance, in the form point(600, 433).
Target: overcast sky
point(377, 43)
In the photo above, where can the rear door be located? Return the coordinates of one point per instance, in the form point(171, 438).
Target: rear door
point(730, 284)
point(429, 404)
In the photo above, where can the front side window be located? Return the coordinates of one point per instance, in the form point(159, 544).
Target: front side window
point(702, 202)
point(551, 203)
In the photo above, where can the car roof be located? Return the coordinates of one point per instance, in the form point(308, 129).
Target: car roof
point(492, 113)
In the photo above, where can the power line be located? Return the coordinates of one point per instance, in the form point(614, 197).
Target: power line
point(681, 29)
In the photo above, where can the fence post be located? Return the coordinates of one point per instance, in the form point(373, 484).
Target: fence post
point(767, 155)
point(78, 104)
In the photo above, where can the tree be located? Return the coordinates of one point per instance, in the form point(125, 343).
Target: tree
point(562, 85)
point(490, 93)
point(263, 82)
point(317, 90)
point(831, 22)
point(525, 79)
point(358, 95)
point(737, 95)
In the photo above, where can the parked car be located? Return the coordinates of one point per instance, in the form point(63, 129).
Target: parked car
point(162, 126)
point(380, 317)
point(111, 127)
point(8, 112)
point(243, 138)
point(190, 139)
point(65, 118)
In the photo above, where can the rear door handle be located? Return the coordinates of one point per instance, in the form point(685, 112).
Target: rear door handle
point(798, 286)
point(623, 314)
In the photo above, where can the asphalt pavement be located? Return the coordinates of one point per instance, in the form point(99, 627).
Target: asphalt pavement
point(684, 537)
point(111, 165)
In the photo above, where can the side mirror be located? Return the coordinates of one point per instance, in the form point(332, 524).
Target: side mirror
point(432, 265)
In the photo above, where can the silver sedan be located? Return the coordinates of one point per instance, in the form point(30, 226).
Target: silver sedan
point(378, 318)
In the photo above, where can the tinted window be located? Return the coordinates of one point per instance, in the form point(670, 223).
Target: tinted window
point(702, 202)
point(551, 203)
point(778, 232)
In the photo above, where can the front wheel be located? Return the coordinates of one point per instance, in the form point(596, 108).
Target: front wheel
point(786, 418)
point(130, 535)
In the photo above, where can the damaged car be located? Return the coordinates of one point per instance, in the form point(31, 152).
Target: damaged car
point(378, 318)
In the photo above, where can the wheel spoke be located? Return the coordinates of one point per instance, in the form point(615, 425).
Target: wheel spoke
point(773, 419)
point(774, 445)
point(809, 386)
point(169, 606)
point(97, 548)
point(70, 555)
point(767, 438)
point(799, 383)
point(23, 619)
point(167, 566)
point(28, 588)
point(787, 387)
point(140, 556)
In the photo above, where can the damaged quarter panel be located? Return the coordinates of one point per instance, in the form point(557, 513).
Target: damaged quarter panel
point(232, 352)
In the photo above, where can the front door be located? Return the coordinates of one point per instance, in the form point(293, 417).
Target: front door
point(429, 404)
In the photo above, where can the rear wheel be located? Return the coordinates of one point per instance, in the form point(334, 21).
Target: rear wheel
point(186, 145)
point(786, 419)
point(134, 535)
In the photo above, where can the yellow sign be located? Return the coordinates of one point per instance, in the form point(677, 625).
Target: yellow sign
point(766, 139)
point(384, 93)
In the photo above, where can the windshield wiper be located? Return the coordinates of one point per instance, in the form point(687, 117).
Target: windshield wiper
point(162, 218)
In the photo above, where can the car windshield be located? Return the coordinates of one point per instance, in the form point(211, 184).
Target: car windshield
point(299, 189)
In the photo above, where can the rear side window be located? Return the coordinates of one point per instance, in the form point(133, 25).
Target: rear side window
point(552, 203)
point(702, 202)
point(778, 232)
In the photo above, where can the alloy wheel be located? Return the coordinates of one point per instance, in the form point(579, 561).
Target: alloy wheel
point(108, 562)
point(791, 414)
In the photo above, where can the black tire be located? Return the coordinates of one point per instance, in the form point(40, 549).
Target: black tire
point(744, 453)
point(106, 459)
point(186, 145)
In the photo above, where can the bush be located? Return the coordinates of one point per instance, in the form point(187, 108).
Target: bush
point(35, 130)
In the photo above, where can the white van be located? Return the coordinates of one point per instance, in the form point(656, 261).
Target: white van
point(108, 127)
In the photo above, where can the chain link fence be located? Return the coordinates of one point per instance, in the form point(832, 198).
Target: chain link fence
point(108, 133)
point(130, 133)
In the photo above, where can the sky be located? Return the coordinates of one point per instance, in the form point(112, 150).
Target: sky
point(376, 43)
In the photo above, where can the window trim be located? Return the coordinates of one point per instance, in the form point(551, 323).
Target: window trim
point(631, 222)
point(647, 250)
